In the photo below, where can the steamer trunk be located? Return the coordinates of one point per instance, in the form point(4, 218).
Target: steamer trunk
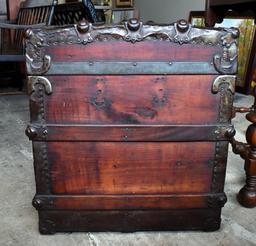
point(130, 125)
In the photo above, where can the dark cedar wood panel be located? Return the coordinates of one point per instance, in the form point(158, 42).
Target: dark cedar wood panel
point(130, 221)
point(130, 168)
point(124, 51)
point(131, 100)
point(107, 202)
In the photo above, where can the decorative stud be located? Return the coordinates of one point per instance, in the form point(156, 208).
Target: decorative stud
point(83, 26)
point(28, 34)
point(182, 26)
point(31, 132)
point(133, 25)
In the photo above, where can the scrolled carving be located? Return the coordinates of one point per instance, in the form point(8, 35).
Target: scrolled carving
point(224, 79)
point(225, 85)
point(132, 31)
point(38, 65)
point(37, 62)
point(33, 80)
point(226, 63)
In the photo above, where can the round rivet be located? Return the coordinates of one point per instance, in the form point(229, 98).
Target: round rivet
point(31, 132)
point(182, 25)
point(45, 132)
point(28, 33)
point(37, 203)
point(133, 25)
point(235, 32)
point(83, 26)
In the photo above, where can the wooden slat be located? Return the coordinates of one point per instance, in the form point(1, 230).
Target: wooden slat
point(130, 167)
point(108, 202)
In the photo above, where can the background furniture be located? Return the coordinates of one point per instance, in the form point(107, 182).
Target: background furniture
point(217, 9)
point(115, 14)
point(33, 12)
point(215, 12)
point(12, 48)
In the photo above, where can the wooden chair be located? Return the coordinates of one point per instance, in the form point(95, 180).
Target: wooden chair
point(215, 12)
point(35, 13)
point(71, 13)
point(216, 9)
point(32, 13)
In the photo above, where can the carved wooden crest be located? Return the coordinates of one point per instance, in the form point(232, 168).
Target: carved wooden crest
point(181, 32)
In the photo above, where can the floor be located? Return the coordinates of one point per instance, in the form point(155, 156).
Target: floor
point(18, 223)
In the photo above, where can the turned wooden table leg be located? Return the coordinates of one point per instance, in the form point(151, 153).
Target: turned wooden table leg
point(247, 195)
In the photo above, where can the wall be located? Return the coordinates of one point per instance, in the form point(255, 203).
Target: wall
point(3, 11)
point(167, 11)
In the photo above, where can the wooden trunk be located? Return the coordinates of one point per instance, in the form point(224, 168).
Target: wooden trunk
point(130, 125)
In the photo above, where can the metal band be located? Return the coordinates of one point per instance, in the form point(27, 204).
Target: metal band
point(92, 202)
point(128, 133)
point(224, 62)
point(224, 79)
point(103, 67)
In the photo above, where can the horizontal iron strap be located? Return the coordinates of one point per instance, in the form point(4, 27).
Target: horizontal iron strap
point(106, 202)
point(21, 27)
point(12, 58)
point(131, 133)
point(116, 68)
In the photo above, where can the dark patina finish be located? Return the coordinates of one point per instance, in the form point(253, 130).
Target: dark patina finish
point(130, 124)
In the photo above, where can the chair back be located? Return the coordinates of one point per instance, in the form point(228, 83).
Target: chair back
point(33, 12)
point(70, 13)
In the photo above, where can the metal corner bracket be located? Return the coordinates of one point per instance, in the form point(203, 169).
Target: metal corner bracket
point(34, 80)
point(230, 80)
